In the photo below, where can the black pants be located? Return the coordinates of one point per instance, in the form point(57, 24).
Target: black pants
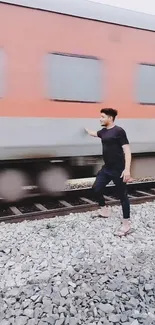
point(104, 176)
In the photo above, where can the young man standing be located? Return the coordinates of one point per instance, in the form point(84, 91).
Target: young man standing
point(117, 159)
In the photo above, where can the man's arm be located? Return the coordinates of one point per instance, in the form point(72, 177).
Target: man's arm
point(127, 153)
point(92, 133)
point(126, 172)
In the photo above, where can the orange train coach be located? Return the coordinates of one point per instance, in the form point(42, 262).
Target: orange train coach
point(60, 63)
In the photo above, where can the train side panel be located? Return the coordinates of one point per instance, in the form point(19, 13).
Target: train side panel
point(25, 138)
point(33, 125)
point(32, 34)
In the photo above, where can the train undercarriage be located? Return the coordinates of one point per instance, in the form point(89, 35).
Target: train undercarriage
point(49, 176)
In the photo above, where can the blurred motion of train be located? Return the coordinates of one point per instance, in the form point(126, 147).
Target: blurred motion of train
point(60, 63)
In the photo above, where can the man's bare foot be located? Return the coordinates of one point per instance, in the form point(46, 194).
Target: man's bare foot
point(123, 232)
point(104, 212)
point(125, 229)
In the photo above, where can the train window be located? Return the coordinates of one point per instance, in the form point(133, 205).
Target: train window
point(2, 67)
point(74, 78)
point(145, 93)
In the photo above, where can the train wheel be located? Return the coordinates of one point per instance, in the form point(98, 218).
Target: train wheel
point(11, 184)
point(53, 180)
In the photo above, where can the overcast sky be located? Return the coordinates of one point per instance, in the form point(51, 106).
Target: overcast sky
point(147, 6)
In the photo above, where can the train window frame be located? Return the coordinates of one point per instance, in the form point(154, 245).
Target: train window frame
point(49, 91)
point(148, 103)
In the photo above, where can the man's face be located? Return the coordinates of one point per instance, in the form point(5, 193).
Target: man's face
point(105, 120)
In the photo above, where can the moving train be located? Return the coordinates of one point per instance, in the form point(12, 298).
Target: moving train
point(61, 61)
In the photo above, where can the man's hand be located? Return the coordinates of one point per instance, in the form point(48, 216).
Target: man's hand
point(125, 175)
point(92, 133)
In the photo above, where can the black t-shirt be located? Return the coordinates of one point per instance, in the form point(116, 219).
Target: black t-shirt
point(112, 141)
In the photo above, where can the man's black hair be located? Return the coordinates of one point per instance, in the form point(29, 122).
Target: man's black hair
point(110, 112)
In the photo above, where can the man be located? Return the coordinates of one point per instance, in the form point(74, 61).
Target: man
point(117, 158)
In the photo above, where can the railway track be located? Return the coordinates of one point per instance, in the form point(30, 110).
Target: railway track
point(72, 201)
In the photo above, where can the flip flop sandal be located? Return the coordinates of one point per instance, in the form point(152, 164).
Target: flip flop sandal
point(124, 233)
point(100, 216)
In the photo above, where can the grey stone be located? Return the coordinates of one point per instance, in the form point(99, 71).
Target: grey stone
point(71, 270)
point(134, 281)
point(133, 302)
point(51, 321)
point(48, 310)
point(72, 284)
point(60, 321)
point(62, 301)
point(141, 280)
point(114, 318)
point(152, 310)
point(141, 293)
point(35, 297)
point(151, 315)
point(73, 321)
point(21, 320)
point(100, 271)
point(67, 320)
point(104, 279)
point(124, 318)
point(55, 289)
point(26, 303)
point(149, 286)
point(46, 301)
point(72, 310)
point(55, 316)
point(39, 299)
point(110, 295)
point(13, 292)
point(31, 321)
point(42, 323)
point(61, 309)
point(5, 322)
point(135, 322)
point(55, 298)
point(38, 312)
point(136, 314)
point(104, 321)
point(96, 298)
point(106, 308)
point(28, 312)
point(95, 312)
point(11, 301)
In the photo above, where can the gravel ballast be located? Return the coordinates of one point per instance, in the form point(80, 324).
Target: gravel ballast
point(73, 270)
